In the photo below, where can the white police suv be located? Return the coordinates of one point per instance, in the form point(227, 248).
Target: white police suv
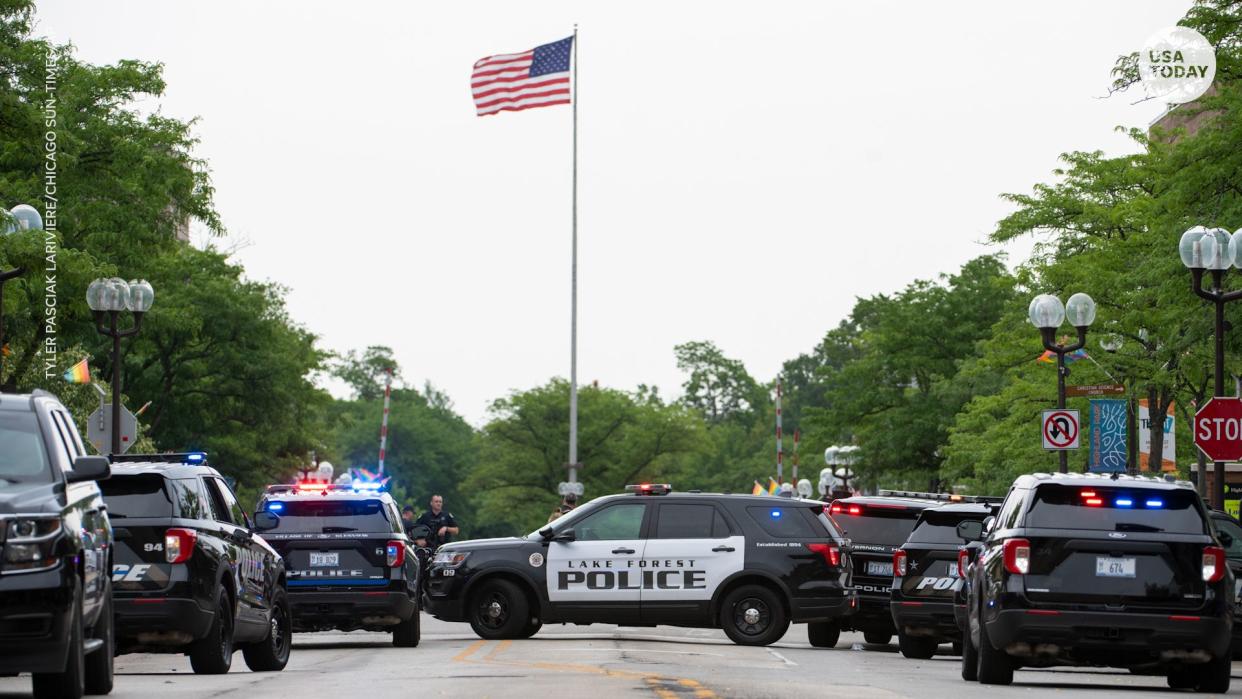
point(750, 565)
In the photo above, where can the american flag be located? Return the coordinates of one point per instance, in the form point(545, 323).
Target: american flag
point(517, 81)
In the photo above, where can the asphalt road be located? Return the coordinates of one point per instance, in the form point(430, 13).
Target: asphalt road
point(598, 661)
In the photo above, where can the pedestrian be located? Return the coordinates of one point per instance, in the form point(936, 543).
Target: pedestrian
point(440, 523)
point(568, 503)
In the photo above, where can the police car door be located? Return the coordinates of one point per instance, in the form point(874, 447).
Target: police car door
point(596, 576)
point(691, 549)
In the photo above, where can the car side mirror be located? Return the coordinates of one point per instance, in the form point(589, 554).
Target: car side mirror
point(567, 536)
point(89, 468)
point(988, 523)
point(265, 520)
point(970, 530)
point(1226, 539)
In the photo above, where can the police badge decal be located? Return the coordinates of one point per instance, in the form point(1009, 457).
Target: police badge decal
point(536, 559)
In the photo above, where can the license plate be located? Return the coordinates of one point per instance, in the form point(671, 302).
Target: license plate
point(953, 570)
point(880, 568)
point(1113, 567)
point(324, 560)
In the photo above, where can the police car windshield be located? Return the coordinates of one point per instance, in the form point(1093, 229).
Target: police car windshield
point(1115, 509)
point(877, 526)
point(22, 454)
point(329, 516)
point(939, 528)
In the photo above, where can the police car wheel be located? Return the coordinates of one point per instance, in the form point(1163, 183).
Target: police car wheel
point(68, 684)
point(498, 610)
point(408, 633)
point(272, 653)
point(970, 660)
point(823, 634)
point(916, 648)
point(213, 654)
point(532, 627)
point(753, 616)
point(877, 638)
point(995, 666)
point(1214, 676)
point(99, 667)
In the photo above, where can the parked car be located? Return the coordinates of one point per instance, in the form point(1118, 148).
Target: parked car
point(55, 596)
point(1084, 569)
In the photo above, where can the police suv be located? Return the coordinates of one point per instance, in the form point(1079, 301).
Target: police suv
point(750, 565)
point(351, 565)
point(190, 571)
point(55, 600)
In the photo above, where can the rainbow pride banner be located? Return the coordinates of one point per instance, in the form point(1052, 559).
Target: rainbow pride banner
point(79, 373)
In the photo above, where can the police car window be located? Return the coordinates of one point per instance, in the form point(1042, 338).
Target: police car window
point(720, 527)
point(687, 522)
point(871, 525)
point(188, 497)
point(611, 524)
point(333, 517)
point(783, 522)
point(238, 515)
point(23, 456)
point(938, 528)
point(1008, 518)
point(215, 504)
point(1089, 506)
point(1227, 526)
point(136, 496)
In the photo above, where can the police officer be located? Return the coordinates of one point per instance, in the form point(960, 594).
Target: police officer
point(407, 518)
point(440, 522)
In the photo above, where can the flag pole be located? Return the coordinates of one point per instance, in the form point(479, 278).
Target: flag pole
point(573, 295)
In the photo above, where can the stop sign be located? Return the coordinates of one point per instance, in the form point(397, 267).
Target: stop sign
point(1218, 429)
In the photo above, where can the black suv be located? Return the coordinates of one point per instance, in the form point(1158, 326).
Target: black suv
point(747, 564)
point(55, 598)
point(877, 525)
point(1229, 533)
point(351, 565)
point(925, 572)
point(190, 572)
point(1096, 570)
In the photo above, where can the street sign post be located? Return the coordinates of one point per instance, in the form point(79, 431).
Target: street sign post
point(99, 430)
point(1218, 429)
point(1060, 429)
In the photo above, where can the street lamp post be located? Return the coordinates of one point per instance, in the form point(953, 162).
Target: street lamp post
point(107, 298)
point(1203, 249)
point(22, 217)
point(1047, 314)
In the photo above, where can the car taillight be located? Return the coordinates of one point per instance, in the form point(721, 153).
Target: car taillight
point(1017, 555)
point(1213, 563)
point(396, 553)
point(963, 559)
point(830, 552)
point(899, 563)
point(179, 545)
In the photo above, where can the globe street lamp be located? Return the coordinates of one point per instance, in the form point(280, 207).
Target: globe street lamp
point(107, 298)
point(1047, 314)
point(1213, 249)
point(22, 217)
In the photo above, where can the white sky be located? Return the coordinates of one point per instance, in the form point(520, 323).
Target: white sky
point(746, 170)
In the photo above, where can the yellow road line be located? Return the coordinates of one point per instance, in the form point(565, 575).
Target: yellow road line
point(497, 650)
point(469, 651)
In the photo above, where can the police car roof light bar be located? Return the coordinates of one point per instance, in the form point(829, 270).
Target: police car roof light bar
point(194, 458)
point(945, 497)
point(649, 489)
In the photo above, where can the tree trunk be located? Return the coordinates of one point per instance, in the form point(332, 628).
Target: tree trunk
point(1155, 416)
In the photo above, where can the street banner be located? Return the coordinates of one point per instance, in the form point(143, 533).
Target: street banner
point(1170, 448)
point(1108, 436)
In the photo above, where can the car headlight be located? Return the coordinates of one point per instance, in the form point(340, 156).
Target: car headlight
point(29, 544)
point(450, 559)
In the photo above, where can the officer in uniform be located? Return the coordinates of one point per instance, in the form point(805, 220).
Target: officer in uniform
point(439, 522)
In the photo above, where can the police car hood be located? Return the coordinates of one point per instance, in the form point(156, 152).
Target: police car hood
point(476, 544)
point(18, 498)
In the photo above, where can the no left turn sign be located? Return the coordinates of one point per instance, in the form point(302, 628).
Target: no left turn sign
point(1060, 429)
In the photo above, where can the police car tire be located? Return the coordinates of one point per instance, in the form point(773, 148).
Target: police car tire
point(532, 627)
point(767, 629)
point(513, 611)
point(408, 633)
point(823, 634)
point(272, 653)
point(995, 666)
point(916, 648)
point(1214, 676)
point(877, 638)
point(69, 683)
point(970, 660)
point(213, 654)
point(99, 665)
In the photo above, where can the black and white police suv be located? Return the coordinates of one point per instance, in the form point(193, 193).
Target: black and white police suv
point(55, 600)
point(750, 565)
point(190, 571)
point(877, 525)
point(351, 565)
point(925, 577)
point(1095, 570)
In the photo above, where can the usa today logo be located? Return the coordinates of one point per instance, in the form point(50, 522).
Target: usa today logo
point(1177, 65)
